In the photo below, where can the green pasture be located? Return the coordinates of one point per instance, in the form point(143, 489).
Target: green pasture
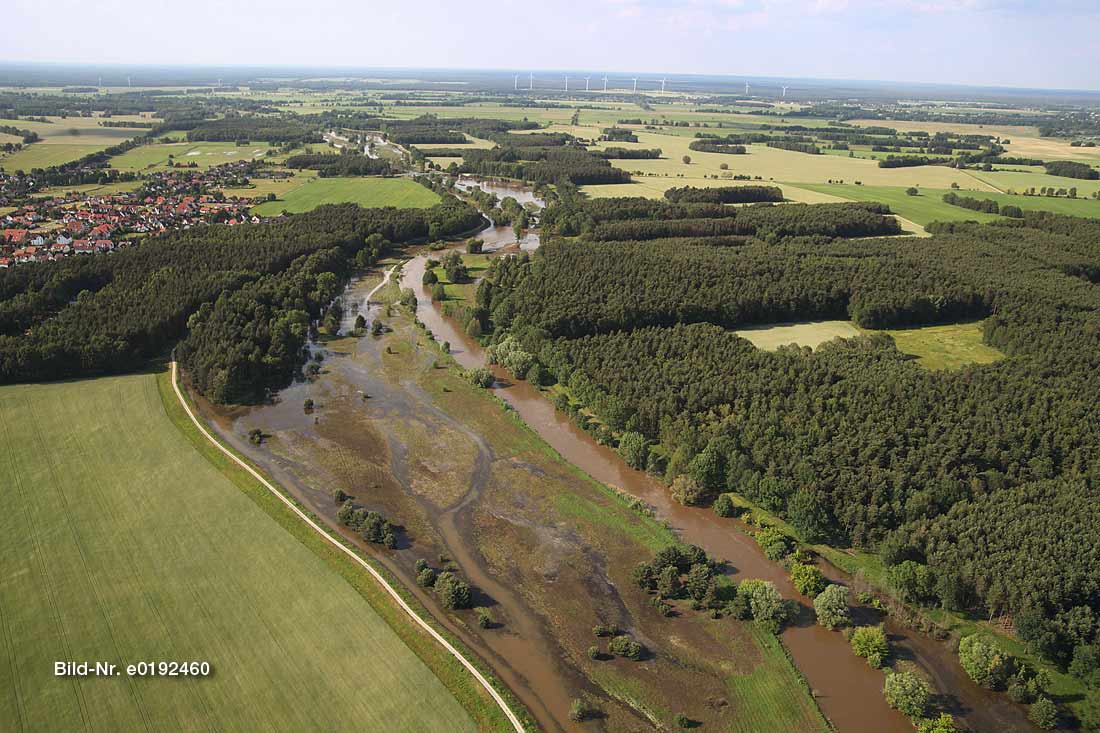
point(367, 192)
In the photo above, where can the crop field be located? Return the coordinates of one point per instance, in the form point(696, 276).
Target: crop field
point(811, 333)
point(205, 154)
point(1006, 181)
point(945, 347)
point(928, 206)
point(773, 164)
point(122, 544)
point(367, 192)
point(278, 186)
point(41, 155)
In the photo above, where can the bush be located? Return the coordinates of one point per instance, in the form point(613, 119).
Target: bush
point(429, 278)
point(986, 664)
point(624, 646)
point(1044, 713)
point(594, 653)
point(683, 721)
point(774, 542)
point(485, 618)
point(831, 607)
point(944, 723)
point(907, 693)
point(870, 643)
point(582, 710)
point(765, 603)
point(724, 506)
point(425, 578)
point(453, 592)
point(807, 579)
point(688, 491)
point(604, 630)
point(481, 377)
point(912, 191)
point(339, 496)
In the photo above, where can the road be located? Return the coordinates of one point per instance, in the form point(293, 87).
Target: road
point(512, 717)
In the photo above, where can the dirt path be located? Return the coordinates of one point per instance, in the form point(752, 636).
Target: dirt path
point(515, 721)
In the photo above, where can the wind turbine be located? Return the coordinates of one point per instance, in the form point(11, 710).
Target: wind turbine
point(516, 80)
point(586, 82)
point(746, 89)
point(530, 82)
point(785, 92)
point(663, 85)
point(567, 82)
point(605, 83)
point(128, 82)
point(635, 86)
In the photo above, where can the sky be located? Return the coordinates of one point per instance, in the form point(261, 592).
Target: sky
point(1021, 43)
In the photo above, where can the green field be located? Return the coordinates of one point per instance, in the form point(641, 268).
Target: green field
point(41, 155)
point(811, 334)
point(122, 544)
point(929, 205)
point(945, 347)
point(367, 192)
point(204, 154)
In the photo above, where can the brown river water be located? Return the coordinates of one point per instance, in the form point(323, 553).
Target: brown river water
point(848, 690)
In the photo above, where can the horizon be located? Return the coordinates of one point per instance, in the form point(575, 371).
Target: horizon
point(1013, 44)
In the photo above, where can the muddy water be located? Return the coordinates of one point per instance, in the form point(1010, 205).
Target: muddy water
point(847, 688)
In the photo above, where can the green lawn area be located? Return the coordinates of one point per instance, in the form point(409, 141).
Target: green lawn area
point(945, 347)
point(122, 543)
point(367, 192)
point(929, 205)
point(771, 697)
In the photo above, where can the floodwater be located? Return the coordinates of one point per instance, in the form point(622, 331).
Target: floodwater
point(847, 688)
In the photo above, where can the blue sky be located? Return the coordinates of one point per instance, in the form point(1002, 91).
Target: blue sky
point(1027, 43)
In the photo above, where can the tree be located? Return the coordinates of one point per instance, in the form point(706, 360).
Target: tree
point(943, 723)
point(808, 514)
point(986, 664)
point(624, 646)
point(1088, 712)
point(453, 592)
point(831, 606)
point(870, 643)
point(425, 578)
point(1044, 713)
point(774, 542)
point(1086, 664)
point(907, 693)
point(765, 603)
point(724, 506)
point(698, 580)
point(668, 582)
point(474, 246)
point(807, 579)
point(581, 710)
point(634, 449)
point(912, 191)
point(686, 159)
point(687, 490)
point(912, 580)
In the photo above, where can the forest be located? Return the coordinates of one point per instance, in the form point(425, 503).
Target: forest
point(985, 479)
point(330, 165)
point(84, 316)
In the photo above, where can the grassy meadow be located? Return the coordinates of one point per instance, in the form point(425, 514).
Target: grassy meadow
point(367, 192)
point(122, 543)
point(205, 154)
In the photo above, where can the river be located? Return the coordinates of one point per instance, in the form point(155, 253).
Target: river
point(847, 688)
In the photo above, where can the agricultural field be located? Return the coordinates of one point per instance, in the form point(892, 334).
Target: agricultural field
point(367, 192)
point(1008, 181)
point(278, 186)
point(157, 156)
point(935, 347)
point(928, 206)
point(41, 155)
point(810, 333)
point(122, 543)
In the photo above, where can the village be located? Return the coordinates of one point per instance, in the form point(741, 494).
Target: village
point(51, 227)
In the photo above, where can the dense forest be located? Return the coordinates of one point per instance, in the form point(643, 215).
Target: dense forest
point(81, 316)
point(330, 165)
point(984, 479)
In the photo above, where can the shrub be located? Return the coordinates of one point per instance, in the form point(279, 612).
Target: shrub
point(986, 664)
point(944, 723)
point(807, 579)
point(774, 542)
point(698, 580)
point(594, 652)
point(604, 630)
point(683, 721)
point(724, 506)
point(429, 278)
point(870, 643)
point(912, 191)
point(485, 618)
point(624, 646)
point(453, 592)
point(307, 404)
point(668, 582)
point(581, 710)
point(339, 496)
point(481, 377)
point(831, 606)
point(906, 693)
point(1044, 713)
point(687, 490)
point(425, 578)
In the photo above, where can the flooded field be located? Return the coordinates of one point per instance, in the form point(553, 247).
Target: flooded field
point(549, 551)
